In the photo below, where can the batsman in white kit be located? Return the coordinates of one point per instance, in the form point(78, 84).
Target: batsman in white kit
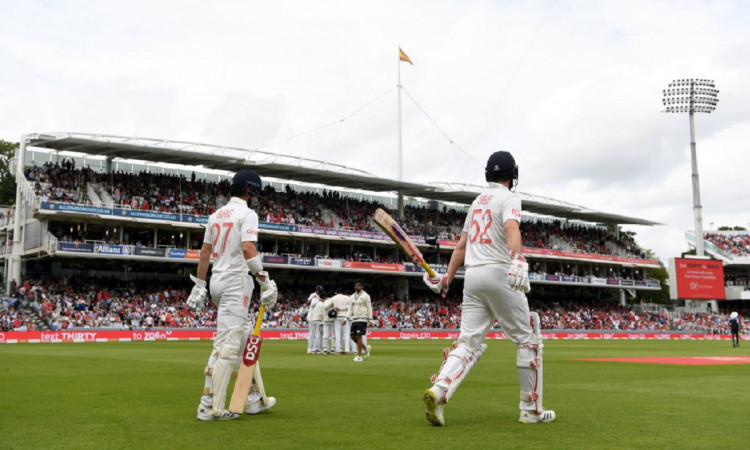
point(495, 287)
point(230, 237)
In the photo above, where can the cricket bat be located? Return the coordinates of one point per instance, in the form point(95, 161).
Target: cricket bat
point(250, 354)
point(397, 234)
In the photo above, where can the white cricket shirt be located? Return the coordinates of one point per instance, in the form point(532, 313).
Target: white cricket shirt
point(227, 228)
point(314, 299)
point(485, 225)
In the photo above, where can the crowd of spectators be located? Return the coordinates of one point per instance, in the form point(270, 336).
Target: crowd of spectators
point(734, 244)
point(63, 182)
point(60, 304)
point(57, 182)
point(577, 238)
point(605, 316)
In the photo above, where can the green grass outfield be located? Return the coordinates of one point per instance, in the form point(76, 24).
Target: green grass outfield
point(144, 395)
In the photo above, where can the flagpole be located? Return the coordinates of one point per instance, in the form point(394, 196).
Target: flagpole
point(399, 150)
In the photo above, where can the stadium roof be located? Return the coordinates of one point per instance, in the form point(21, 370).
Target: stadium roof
point(300, 169)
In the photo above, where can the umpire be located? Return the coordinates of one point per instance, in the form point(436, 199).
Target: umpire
point(734, 326)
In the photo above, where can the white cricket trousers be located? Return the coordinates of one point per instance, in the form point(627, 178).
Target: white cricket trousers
point(487, 297)
point(310, 336)
point(345, 336)
point(314, 337)
point(232, 291)
point(340, 335)
point(328, 328)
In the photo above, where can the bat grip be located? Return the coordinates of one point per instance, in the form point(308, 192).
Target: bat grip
point(259, 320)
point(428, 269)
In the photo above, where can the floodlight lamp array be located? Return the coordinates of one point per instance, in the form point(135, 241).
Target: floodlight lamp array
point(692, 82)
point(691, 95)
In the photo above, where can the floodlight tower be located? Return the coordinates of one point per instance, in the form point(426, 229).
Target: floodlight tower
point(692, 96)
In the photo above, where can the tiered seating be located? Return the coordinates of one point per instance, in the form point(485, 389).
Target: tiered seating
point(734, 244)
point(170, 193)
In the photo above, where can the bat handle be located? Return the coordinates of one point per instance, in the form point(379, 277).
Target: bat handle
point(259, 320)
point(428, 269)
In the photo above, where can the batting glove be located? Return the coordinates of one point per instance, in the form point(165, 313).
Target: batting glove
point(198, 294)
point(269, 293)
point(437, 284)
point(518, 275)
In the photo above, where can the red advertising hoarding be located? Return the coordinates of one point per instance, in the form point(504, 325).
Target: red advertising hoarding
point(388, 267)
point(94, 335)
point(699, 279)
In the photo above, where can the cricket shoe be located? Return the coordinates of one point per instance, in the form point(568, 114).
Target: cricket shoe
point(255, 405)
point(547, 415)
point(435, 404)
point(207, 414)
point(357, 359)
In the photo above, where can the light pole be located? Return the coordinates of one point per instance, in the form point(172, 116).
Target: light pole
point(692, 96)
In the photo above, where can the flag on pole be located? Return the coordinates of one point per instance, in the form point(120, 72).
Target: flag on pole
point(402, 56)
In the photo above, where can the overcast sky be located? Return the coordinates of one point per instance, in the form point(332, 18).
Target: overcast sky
point(572, 88)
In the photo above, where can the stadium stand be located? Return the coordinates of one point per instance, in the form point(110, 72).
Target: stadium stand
point(156, 192)
point(735, 244)
point(111, 241)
